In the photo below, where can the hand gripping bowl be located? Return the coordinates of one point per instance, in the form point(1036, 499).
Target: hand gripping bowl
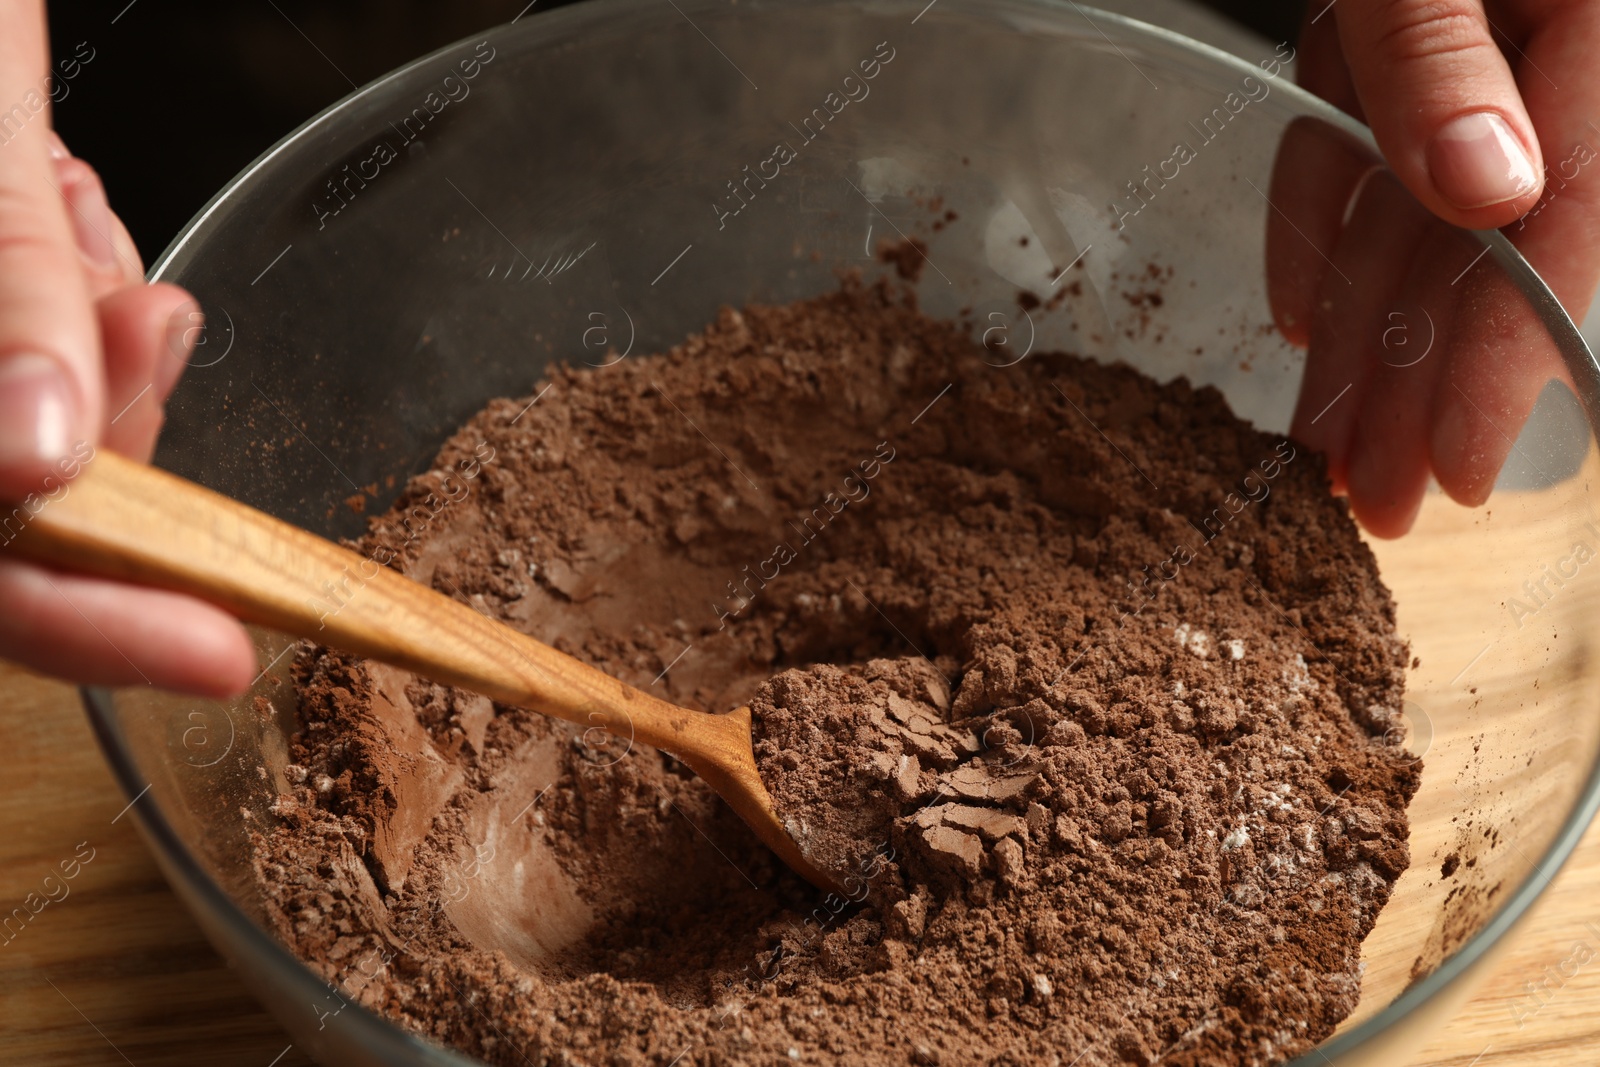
point(564, 188)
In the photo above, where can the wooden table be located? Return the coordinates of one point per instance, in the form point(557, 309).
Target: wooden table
point(117, 973)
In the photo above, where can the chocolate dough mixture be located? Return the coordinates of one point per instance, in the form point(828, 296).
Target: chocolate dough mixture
point(1081, 680)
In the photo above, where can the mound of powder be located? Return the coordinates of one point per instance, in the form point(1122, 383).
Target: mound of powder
point(1084, 687)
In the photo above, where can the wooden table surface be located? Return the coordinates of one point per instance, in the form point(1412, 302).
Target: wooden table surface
point(117, 973)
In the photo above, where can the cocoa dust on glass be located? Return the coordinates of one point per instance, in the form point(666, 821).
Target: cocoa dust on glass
point(1080, 683)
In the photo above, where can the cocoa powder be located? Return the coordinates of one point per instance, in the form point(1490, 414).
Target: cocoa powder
point(1081, 685)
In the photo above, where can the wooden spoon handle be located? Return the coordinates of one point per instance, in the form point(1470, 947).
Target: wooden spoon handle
point(120, 519)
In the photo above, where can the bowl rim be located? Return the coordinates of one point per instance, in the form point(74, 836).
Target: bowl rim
point(379, 1033)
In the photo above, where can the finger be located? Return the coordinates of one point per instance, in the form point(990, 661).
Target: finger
point(1500, 362)
point(93, 227)
point(1443, 106)
point(1369, 263)
point(1559, 234)
point(129, 264)
point(50, 387)
point(1319, 60)
point(145, 349)
point(1389, 446)
point(127, 252)
point(1314, 179)
point(181, 328)
point(107, 249)
point(105, 633)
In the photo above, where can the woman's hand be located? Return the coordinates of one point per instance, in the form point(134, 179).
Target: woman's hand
point(1489, 116)
point(88, 354)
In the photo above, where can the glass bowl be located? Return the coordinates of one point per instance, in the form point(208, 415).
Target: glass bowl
point(579, 184)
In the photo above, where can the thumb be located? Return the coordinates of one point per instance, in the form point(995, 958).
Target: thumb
point(51, 393)
point(1444, 107)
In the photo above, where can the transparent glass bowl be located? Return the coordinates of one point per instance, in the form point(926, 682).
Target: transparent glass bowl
point(557, 189)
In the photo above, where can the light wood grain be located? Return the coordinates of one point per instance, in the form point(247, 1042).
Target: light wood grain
point(117, 972)
point(126, 520)
point(1508, 710)
point(122, 950)
point(118, 961)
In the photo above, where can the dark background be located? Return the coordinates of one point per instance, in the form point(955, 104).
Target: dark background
point(181, 95)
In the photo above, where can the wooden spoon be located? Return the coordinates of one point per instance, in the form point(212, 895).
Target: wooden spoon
point(120, 519)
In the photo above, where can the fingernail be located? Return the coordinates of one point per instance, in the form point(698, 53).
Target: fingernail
point(1476, 160)
point(183, 327)
point(38, 411)
point(91, 221)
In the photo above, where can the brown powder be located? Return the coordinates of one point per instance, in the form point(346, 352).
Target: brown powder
point(908, 256)
point(1079, 682)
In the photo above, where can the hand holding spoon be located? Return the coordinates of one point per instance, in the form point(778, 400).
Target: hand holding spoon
point(128, 521)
